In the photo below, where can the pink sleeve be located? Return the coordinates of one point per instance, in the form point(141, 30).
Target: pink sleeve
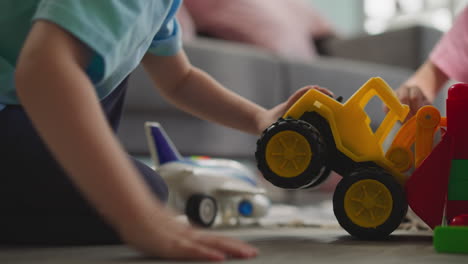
point(450, 54)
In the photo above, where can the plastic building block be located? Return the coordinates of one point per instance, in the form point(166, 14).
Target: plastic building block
point(451, 239)
point(203, 187)
point(460, 220)
point(454, 237)
point(426, 189)
point(443, 173)
point(457, 127)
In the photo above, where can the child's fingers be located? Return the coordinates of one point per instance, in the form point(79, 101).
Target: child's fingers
point(403, 94)
point(324, 90)
point(294, 97)
point(417, 99)
point(232, 247)
point(318, 88)
point(385, 108)
point(187, 249)
point(199, 246)
point(304, 89)
point(192, 244)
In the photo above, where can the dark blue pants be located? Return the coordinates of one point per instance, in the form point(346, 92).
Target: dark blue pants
point(38, 202)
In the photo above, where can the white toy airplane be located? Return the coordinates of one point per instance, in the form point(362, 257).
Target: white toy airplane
point(201, 187)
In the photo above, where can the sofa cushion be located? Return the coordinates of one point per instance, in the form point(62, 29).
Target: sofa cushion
point(284, 27)
point(407, 47)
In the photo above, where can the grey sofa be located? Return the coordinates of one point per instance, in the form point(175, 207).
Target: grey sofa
point(407, 47)
point(255, 74)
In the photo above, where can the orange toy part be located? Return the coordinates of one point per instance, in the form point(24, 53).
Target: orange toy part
point(418, 130)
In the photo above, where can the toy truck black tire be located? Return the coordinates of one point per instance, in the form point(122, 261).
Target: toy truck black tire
point(305, 138)
point(369, 204)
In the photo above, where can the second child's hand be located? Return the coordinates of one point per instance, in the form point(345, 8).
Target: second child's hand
point(412, 96)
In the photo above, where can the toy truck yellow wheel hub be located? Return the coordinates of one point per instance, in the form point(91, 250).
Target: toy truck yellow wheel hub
point(288, 154)
point(368, 203)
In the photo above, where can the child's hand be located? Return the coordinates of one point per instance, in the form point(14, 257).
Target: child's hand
point(412, 96)
point(276, 112)
point(162, 236)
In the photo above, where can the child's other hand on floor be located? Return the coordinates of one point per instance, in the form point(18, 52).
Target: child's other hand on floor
point(161, 235)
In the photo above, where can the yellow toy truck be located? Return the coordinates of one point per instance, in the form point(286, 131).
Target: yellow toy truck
point(319, 134)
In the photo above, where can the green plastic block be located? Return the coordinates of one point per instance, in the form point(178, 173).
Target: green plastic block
point(451, 239)
point(458, 183)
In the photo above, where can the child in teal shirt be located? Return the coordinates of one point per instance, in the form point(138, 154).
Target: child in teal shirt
point(63, 70)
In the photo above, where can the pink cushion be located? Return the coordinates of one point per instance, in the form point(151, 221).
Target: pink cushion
point(282, 26)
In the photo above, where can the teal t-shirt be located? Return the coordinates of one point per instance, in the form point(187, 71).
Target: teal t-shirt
point(120, 33)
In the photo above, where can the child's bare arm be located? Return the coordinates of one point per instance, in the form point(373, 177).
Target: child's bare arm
point(196, 92)
point(422, 87)
point(429, 78)
point(60, 100)
point(63, 106)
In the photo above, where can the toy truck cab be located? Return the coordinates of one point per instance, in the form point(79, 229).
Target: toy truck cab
point(319, 134)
